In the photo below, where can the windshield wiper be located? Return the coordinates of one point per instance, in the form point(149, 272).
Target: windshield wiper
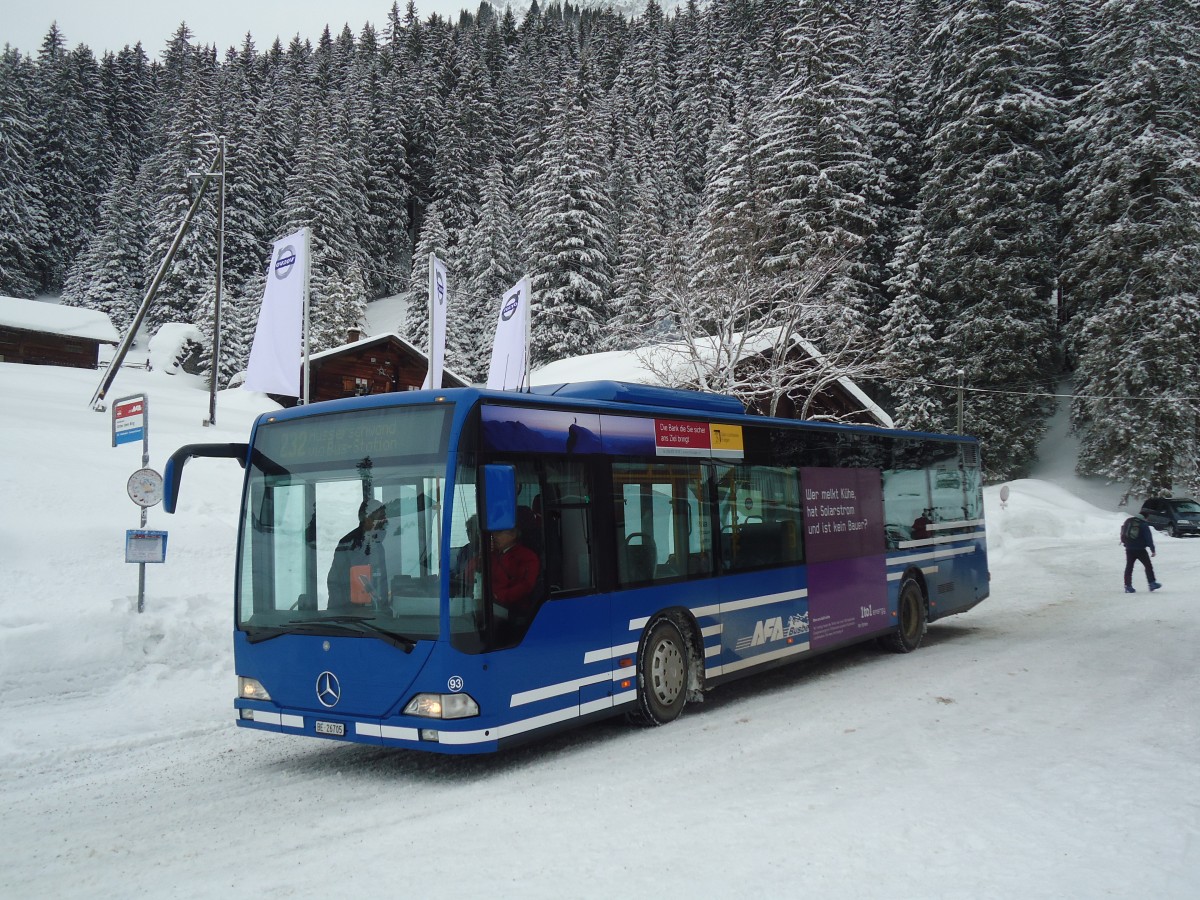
point(396, 640)
point(256, 634)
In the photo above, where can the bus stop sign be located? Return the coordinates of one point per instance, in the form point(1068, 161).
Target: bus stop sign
point(129, 420)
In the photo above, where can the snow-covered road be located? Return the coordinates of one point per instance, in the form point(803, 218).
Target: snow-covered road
point(1043, 745)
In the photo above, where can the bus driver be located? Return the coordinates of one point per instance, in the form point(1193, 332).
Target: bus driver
point(358, 577)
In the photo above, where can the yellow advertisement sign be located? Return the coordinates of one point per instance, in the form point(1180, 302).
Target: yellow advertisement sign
point(726, 440)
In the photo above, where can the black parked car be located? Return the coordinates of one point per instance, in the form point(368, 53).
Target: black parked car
point(1177, 517)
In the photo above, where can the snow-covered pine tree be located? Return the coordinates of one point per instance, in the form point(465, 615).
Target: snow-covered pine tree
point(989, 224)
point(487, 267)
point(476, 113)
point(695, 105)
point(900, 125)
point(24, 232)
point(634, 241)
point(129, 103)
point(1071, 22)
point(62, 158)
point(108, 275)
point(189, 148)
point(321, 196)
point(248, 163)
point(569, 271)
point(434, 239)
point(816, 159)
point(384, 143)
point(731, 231)
point(1134, 248)
point(894, 68)
point(909, 350)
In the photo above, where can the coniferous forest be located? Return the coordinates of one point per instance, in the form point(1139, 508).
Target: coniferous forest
point(992, 195)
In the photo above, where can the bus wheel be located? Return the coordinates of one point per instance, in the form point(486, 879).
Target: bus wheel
point(662, 675)
point(912, 615)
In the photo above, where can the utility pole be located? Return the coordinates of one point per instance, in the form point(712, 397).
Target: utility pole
point(110, 373)
point(960, 400)
point(216, 339)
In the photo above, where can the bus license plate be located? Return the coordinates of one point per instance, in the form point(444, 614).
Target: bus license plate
point(337, 728)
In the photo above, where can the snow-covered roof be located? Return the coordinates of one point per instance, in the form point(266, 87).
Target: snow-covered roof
point(379, 338)
point(51, 318)
point(386, 315)
point(648, 365)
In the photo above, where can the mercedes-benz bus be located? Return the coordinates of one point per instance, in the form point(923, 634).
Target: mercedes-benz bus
point(669, 542)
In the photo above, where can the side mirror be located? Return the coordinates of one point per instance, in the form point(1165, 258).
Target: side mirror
point(499, 497)
point(174, 470)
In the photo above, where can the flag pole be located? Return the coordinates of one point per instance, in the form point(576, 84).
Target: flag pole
point(432, 312)
point(528, 320)
point(307, 309)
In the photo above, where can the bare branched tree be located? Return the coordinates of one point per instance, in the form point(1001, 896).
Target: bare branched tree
point(765, 339)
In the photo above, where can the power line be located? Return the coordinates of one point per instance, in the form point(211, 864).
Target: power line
point(1045, 394)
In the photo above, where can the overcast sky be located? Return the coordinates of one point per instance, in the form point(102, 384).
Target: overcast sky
point(110, 26)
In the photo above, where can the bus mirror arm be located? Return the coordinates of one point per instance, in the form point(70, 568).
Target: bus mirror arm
point(179, 458)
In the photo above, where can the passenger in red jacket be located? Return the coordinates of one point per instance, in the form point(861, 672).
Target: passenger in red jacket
point(514, 573)
point(515, 570)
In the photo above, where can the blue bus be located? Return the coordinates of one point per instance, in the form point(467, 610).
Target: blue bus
point(464, 570)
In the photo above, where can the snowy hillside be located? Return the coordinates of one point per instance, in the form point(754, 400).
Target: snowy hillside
point(1043, 745)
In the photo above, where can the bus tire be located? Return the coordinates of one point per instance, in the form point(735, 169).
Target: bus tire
point(913, 618)
point(662, 676)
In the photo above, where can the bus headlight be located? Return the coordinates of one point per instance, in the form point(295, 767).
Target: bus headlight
point(251, 689)
point(442, 706)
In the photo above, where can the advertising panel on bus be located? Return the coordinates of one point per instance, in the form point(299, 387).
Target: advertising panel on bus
point(844, 540)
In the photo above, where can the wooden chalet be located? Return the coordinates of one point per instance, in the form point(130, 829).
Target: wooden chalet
point(37, 333)
point(380, 364)
point(839, 399)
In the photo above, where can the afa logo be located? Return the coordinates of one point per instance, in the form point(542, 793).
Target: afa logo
point(769, 630)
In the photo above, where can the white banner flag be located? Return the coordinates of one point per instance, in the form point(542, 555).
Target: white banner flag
point(509, 370)
point(437, 322)
point(274, 366)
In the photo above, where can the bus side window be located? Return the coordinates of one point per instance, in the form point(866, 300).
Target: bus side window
point(661, 513)
point(565, 507)
point(761, 516)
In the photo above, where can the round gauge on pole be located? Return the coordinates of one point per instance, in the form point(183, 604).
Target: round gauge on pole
point(145, 487)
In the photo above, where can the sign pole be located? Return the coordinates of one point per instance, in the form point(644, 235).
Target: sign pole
point(142, 522)
point(131, 420)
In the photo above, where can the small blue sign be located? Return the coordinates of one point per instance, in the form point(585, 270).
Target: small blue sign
point(129, 436)
point(145, 546)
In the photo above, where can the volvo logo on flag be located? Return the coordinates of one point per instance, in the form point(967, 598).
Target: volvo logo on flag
point(509, 367)
point(511, 304)
point(275, 356)
point(285, 262)
point(329, 691)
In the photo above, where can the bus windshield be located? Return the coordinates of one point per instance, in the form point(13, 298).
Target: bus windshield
point(341, 526)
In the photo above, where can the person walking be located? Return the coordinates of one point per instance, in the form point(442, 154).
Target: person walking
point(1138, 538)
